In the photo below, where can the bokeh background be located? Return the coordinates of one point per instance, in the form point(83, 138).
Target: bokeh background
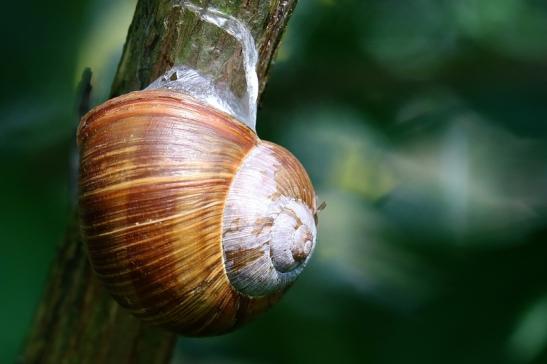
point(423, 124)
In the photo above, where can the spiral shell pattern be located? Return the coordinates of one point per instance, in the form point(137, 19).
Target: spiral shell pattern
point(176, 224)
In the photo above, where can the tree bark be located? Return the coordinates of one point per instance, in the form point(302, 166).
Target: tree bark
point(77, 321)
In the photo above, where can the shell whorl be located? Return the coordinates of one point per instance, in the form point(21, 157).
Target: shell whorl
point(160, 179)
point(268, 231)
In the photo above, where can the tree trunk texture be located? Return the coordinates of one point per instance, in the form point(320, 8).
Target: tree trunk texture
point(76, 320)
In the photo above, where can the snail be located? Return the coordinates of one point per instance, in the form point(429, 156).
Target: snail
point(191, 221)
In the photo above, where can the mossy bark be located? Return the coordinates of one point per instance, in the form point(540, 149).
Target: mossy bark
point(77, 321)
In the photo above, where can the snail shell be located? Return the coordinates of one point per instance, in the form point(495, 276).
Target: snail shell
point(191, 221)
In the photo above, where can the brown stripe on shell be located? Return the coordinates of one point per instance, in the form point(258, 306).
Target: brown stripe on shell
point(292, 179)
point(243, 257)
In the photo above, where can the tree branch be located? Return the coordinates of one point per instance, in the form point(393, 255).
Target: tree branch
point(163, 34)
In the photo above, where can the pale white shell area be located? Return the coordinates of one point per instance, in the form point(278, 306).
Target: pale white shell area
point(267, 238)
point(292, 235)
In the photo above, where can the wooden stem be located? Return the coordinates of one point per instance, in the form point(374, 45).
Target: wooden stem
point(76, 321)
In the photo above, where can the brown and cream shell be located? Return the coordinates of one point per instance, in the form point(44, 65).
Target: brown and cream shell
point(191, 221)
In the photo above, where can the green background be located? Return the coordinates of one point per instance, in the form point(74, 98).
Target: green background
point(423, 124)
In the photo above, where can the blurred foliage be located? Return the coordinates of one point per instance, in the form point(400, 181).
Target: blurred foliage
point(423, 125)
point(41, 65)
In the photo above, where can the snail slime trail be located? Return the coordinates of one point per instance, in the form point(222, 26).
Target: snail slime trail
point(191, 221)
